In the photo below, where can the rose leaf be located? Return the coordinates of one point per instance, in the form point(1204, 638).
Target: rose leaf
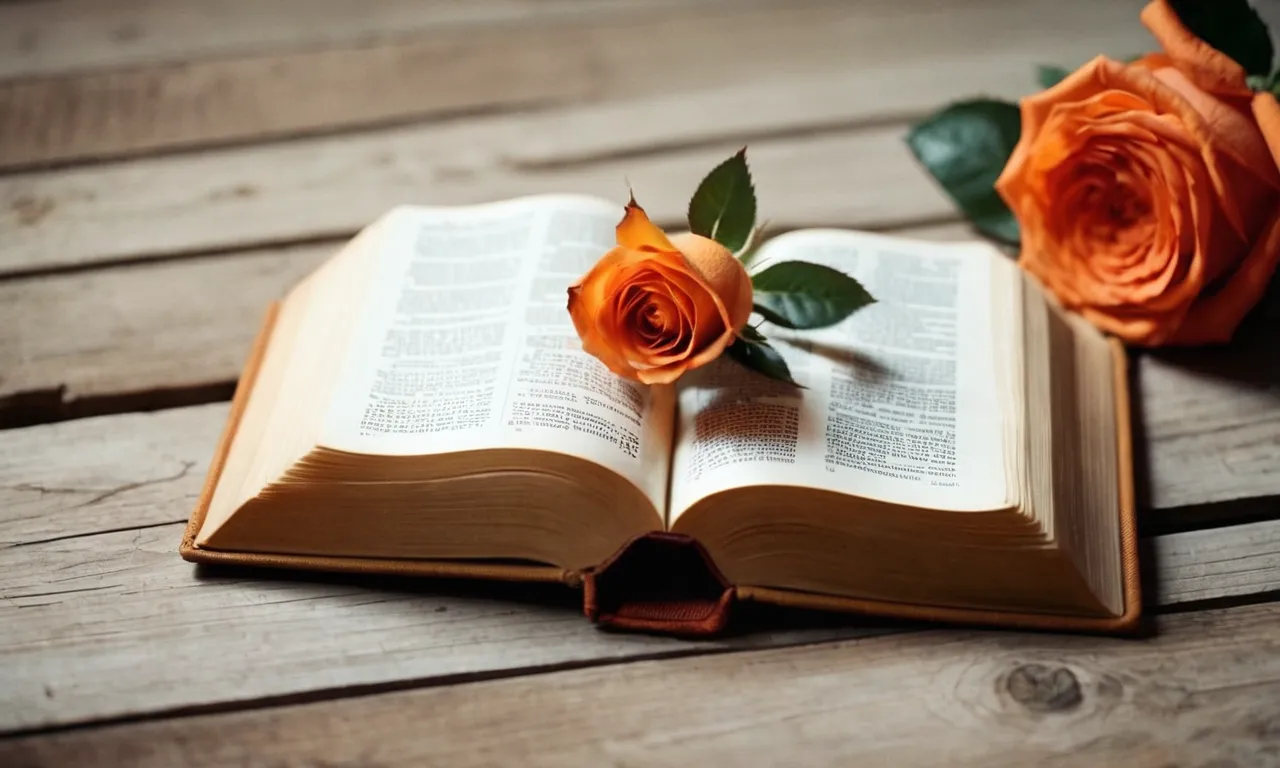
point(761, 357)
point(964, 147)
point(798, 294)
point(1049, 75)
point(724, 206)
point(1231, 26)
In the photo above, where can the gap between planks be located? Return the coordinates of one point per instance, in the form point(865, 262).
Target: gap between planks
point(1206, 690)
point(689, 54)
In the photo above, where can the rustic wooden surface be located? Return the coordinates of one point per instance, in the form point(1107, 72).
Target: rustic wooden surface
point(1205, 691)
point(166, 169)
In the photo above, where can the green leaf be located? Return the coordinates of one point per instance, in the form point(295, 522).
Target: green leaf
point(965, 146)
point(724, 206)
point(797, 294)
point(1049, 75)
point(761, 357)
point(1231, 26)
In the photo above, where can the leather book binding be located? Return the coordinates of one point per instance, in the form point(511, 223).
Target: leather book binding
point(666, 582)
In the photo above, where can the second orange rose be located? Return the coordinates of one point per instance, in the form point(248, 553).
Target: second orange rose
point(1147, 195)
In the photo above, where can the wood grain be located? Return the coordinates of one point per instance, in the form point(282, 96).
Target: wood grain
point(100, 619)
point(114, 625)
point(329, 187)
point(54, 36)
point(804, 59)
point(112, 339)
point(1204, 691)
point(57, 36)
point(798, 121)
point(99, 115)
point(130, 471)
point(1227, 397)
point(1216, 563)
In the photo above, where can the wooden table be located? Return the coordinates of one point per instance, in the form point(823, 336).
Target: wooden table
point(168, 168)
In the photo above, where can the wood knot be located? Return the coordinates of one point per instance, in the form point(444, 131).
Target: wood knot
point(1041, 688)
point(31, 210)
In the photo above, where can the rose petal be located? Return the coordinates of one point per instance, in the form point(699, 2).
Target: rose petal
point(1214, 317)
point(1267, 112)
point(1232, 131)
point(723, 272)
point(621, 323)
point(1208, 68)
point(636, 232)
point(675, 337)
point(708, 316)
point(586, 299)
point(1136, 326)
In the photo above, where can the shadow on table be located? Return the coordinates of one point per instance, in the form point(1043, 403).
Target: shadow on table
point(1247, 369)
point(748, 618)
point(752, 624)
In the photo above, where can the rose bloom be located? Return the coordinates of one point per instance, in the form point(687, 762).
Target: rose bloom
point(1148, 193)
point(653, 308)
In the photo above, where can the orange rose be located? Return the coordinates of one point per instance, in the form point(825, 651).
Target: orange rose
point(653, 308)
point(1148, 194)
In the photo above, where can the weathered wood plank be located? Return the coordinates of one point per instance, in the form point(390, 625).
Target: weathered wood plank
point(104, 114)
point(688, 56)
point(59, 35)
point(66, 35)
point(329, 186)
point(1216, 563)
point(332, 186)
point(131, 471)
point(1204, 691)
point(125, 333)
point(116, 624)
point(1228, 398)
point(93, 586)
point(122, 333)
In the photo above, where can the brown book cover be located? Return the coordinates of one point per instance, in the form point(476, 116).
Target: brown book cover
point(693, 598)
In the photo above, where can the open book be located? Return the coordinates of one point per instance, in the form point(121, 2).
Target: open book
point(421, 404)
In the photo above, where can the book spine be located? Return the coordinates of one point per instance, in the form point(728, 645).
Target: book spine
point(659, 582)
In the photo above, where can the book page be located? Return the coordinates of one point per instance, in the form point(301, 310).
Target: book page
point(900, 402)
point(465, 344)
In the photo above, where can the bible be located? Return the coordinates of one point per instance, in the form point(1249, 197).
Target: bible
point(420, 404)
